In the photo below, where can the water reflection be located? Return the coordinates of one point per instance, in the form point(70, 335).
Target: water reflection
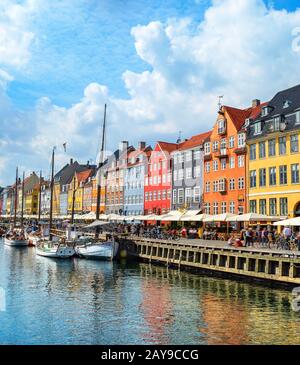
point(90, 302)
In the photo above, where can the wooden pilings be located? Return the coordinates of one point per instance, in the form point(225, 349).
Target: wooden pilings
point(269, 265)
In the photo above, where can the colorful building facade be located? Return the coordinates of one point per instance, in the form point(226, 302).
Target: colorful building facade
point(134, 179)
point(225, 161)
point(188, 174)
point(158, 179)
point(274, 156)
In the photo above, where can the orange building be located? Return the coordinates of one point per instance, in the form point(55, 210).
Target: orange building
point(225, 161)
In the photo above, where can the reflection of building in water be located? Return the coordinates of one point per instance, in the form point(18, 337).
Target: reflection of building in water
point(225, 322)
point(156, 306)
point(241, 313)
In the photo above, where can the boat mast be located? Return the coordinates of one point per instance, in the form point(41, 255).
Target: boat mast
point(16, 199)
point(51, 195)
point(73, 200)
point(40, 197)
point(22, 203)
point(99, 166)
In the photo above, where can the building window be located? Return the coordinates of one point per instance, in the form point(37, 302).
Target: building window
point(262, 177)
point(207, 148)
point(223, 207)
point(222, 185)
point(282, 145)
point(257, 128)
point(241, 161)
point(188, 173)
point(294, 143)
point(262, 149)
point(188, 156)
point(298, 117)
point(197, 155)
point(159, 195)
point(253, 152)
point(262, 206)
point(180, 174)
point(295, 173)
point(283, 202)
point(252, 206)
point(272, 147)
point(283, 175)
point(241, 140)
point(154, 195)
point(253, 179)
point(207, 167)
point(215, 208)
point(181, 158)
point(272, 176)
point(207, 208)
point(146, 197)
point(207, 187)
point(231, 142)
point(215, 165)
point(197, 171)
point(164, 194)
point(231, 184)
point(223, 164)
point(150, 196)
point(174, 196)
point(188, 195)
point(180, 196)
point(241, 183)
point(231, 162)
point(273, 206)
point(232, 207)
point(215, 146)
point(216, 186)
point(221, 126)
point(197, 195)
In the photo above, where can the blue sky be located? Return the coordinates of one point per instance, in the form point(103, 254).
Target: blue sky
point(159, 65)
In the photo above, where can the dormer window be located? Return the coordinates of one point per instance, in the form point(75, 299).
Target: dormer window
point(286, 104)
point(265, 111)
point(247, 122)
point(257, 128)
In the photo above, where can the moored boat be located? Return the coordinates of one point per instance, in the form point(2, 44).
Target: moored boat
point(49, 249)
point(10, 241)
point(98, 251)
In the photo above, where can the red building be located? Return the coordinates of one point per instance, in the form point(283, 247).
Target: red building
point(158, 179)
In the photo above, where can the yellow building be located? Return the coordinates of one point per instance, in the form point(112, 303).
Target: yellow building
point(273, 145)
point(31, 201)
point(77, 184)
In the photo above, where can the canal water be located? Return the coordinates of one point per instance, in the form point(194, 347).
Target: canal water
point(91, 302)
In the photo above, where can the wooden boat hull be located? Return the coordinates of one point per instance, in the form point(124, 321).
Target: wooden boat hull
point(59, 253)
point(105, 251)
point(15, 243)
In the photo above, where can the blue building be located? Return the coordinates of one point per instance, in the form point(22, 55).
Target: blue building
point(134, 178)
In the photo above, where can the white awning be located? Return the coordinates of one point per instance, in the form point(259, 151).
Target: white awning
point(219, 217)
point(253, 217)
point(173, 215)
point(288, 222)
point(189, 215)
point(96, 224)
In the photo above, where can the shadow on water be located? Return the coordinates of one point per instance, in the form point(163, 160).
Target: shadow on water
point(91, 302)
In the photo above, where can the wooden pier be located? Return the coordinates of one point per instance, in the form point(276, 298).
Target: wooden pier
point(257, 263)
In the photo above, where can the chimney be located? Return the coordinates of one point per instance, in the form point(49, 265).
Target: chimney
point(88, 163)
point(71, 161)
point(123, 146)
point(255, 103)
point(141, 145)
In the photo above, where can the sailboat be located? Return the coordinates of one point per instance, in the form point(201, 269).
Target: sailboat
point(47, 247)
point(95, 249)
point(16, 236)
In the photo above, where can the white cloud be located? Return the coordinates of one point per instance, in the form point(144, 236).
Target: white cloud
point(242, 50)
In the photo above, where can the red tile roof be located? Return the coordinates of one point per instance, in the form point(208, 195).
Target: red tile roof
point(82, 176)
point(169, 147)
point(194, 141)
point(238, 116)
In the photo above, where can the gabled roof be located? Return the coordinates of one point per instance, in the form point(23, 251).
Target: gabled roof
point(194, 141)
point(237, 116)
point(83, 175)
point(167, 146)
